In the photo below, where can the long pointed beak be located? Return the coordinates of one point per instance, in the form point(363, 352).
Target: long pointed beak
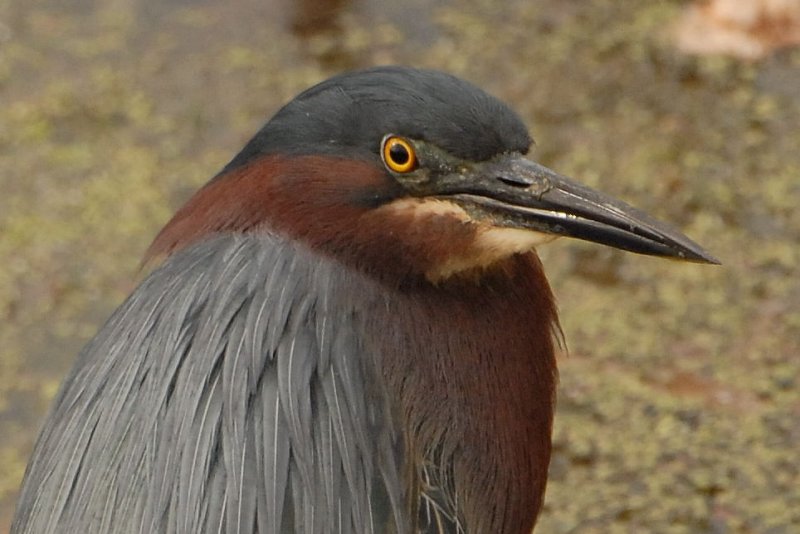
point(518, 193)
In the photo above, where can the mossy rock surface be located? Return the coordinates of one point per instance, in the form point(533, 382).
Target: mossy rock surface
point(679, 405)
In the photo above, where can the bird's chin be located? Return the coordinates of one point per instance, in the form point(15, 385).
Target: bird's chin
point(491, 246)
point(454, 240)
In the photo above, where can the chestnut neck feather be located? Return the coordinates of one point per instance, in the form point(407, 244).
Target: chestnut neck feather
point(468, 363)
point(331, 204)
point(307, 197)
point(474, 369)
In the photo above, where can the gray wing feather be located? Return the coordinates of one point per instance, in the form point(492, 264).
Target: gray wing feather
point(227, 394)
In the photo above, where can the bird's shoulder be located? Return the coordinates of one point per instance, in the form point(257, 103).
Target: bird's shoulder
point(231, 388)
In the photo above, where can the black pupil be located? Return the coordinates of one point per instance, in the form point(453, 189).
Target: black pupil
point(399, 154)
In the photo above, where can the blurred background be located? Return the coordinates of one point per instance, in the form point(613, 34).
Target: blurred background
point(679, 403)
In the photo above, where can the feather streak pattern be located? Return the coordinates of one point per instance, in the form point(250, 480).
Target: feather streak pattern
point(256, 416)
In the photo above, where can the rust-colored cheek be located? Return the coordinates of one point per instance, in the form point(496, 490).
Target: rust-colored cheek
point(313, 198)
point(351, 210)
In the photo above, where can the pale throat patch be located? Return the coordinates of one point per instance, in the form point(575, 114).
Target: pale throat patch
point(491, 244)
point(420, 208)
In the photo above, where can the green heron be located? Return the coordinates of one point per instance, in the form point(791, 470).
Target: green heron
point(350, 331)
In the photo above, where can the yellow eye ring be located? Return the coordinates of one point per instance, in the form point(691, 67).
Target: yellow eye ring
point(398, 154)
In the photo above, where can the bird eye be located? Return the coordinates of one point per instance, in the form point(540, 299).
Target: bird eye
point(398, 154)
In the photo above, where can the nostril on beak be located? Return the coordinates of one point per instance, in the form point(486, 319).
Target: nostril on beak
point(515, 180)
